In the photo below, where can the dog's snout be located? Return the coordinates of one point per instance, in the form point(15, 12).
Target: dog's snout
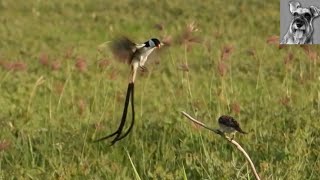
point(299, 23)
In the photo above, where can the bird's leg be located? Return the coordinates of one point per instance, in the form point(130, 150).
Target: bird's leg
point(233, 135)
point(144, 69)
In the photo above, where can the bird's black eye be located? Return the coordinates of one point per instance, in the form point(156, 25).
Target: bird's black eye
point(307, 16)
point(295, 14)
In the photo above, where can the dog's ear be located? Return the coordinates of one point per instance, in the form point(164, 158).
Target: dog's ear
point(294, 6)
point(315, 11)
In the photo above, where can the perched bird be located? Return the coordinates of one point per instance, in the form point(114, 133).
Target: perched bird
point(136, 55)
point(229, 125)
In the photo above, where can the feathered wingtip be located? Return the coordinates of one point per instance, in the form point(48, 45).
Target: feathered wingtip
point(122, 48)
point(240, 130)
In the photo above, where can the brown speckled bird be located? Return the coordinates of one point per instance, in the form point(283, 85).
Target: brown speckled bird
point(229, 125)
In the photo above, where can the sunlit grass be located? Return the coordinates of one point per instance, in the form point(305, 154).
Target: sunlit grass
point(59, 92)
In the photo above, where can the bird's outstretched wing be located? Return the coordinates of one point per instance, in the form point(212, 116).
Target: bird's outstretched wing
point(123, 49)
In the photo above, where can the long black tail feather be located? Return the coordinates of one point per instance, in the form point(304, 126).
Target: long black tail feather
point(132, 121)
point(118, 132)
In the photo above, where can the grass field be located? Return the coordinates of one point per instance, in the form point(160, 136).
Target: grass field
point(59, 91)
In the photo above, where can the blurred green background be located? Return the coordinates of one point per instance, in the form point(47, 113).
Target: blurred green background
point(60, 89)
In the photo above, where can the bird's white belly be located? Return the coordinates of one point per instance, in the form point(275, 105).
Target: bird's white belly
point(144, 57)
point(226, 129)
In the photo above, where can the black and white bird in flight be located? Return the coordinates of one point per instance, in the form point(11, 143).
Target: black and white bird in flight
point(136, 55)
point(229, 125)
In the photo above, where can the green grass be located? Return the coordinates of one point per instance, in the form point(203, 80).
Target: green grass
point(49, 117)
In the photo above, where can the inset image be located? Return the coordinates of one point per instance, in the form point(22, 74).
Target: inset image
point(300, 22)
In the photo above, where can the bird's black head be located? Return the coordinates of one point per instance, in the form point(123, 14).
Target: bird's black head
point(153, 42)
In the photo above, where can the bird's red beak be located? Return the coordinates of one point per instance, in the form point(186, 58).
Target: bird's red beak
point(159, 46)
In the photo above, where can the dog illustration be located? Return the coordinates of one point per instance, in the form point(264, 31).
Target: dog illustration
point(301, 28)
